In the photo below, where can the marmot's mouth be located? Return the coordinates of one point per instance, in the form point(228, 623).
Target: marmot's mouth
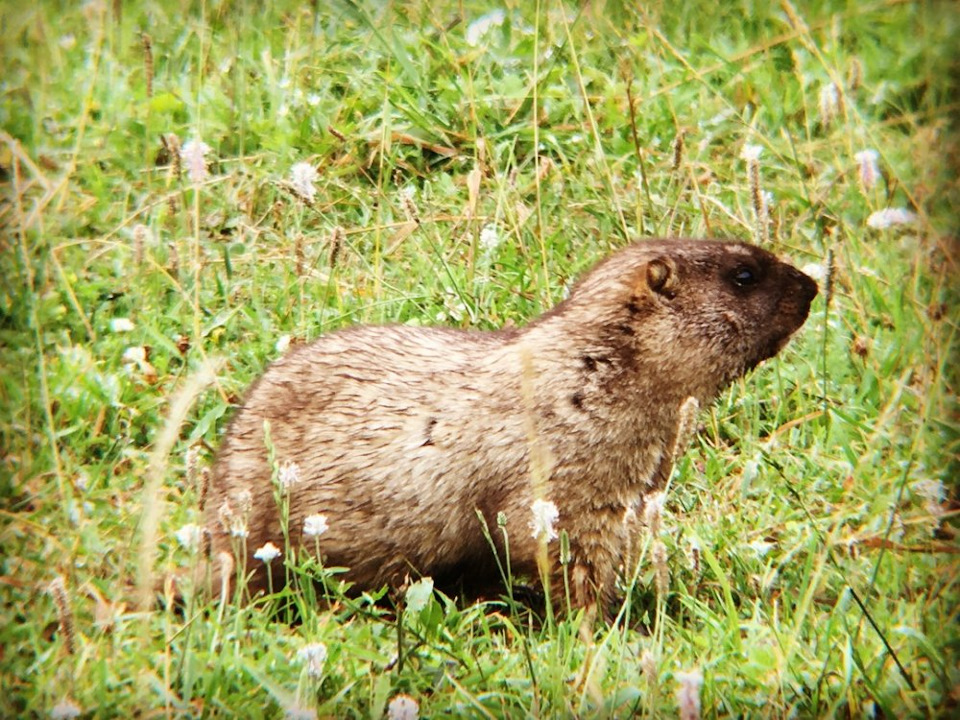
point(771, 348)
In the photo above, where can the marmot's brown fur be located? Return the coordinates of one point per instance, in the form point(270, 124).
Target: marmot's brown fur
point(401, 434)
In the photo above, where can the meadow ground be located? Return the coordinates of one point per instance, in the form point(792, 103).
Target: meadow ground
point(810, 531)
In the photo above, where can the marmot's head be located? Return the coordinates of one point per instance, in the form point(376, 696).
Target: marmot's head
point(694, 314)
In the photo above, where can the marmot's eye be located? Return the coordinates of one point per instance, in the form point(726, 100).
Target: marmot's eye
point(744, 277)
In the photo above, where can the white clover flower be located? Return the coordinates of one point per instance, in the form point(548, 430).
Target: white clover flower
point(289, 475)
point(193, 157)
point(283, 344)
point(934, 495)
point(482, 25)
point(315, 525)
point(688, 694)
point(266, 553)
point(932, 490)
point(867, 168)
point(302, 177)
point(121, 325)
point(135, 355)
point(313, 656)
point(888, 217)
point(815, 270)
point(189, 536)
point(760, 547)
point(403, 707)
point(751, 153)
point(489, 238)
point(751, 468)
point(65, 709)
point(545, 515)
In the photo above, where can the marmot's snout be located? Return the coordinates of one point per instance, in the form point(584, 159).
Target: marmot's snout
point(803, 289)
point(807, 286)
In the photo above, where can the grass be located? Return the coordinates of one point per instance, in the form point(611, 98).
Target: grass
point(820, 490)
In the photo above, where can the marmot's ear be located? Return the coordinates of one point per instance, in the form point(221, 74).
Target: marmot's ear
point(662, 277)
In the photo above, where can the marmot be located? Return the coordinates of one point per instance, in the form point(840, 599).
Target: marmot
point(400, 435)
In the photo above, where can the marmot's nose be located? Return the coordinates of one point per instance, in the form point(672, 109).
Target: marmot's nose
point(807, 287)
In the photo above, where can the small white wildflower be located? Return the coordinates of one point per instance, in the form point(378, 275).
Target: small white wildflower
point(189, 536)
point(289, 475)
point(283, 344)
point(121, 325)
point(266, 553)
point(302, 177)
point(193, 156)
point(829, 103)
point(68, 41)
point(81, 482)
point(934, 495)
point(135, 355)
point(313, 656)
point(888, 217)
point(751, 468)
point(403, 707)
point(751, 153)
point(65, 709)
point(760, 547)
point(688, 694)
point(315, 525)
point(482, 25)
point(489, 238)
point(545, 515)
point(867, 168)
point(313, 99)
point(932, 490)
point(815, 270)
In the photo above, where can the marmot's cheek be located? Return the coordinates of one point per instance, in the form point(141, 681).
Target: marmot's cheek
point(734, 322)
